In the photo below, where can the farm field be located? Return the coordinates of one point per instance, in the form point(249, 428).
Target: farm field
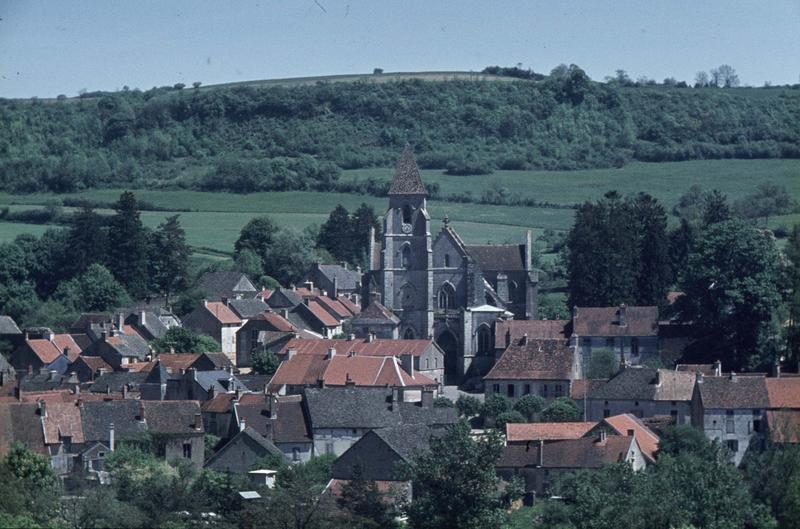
point(213, 220)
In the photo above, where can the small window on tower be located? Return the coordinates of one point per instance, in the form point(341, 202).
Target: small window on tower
point(406, 214)
point(406, 256)
point(447, 260)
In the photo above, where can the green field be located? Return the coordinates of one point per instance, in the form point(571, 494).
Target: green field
point(216, 218)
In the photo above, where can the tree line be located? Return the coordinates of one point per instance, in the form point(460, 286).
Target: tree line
point(248, 139)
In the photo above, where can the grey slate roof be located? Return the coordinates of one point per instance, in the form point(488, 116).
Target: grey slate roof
point(219, 379)
point(735, 392)
point(375, 314)
point(644, 383)
point(365, 407)
point(284, 298)
point(131, 345)
point(8, 325)
point(408, 440)
point(44, 381)
point(407, 180)
point(265, 446)
point(114, 382)
point(499, 257)
point(223, 283)
point(345, 279)
point(247, 308)
point(132, 418)
point(152, 323)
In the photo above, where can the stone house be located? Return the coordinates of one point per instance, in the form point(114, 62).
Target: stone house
point(338, 417)
point(631, 332)
point(507, 332)
point(336, 280)
point(226, 284)
point(538, 367)
point(643, 392)
point(541, 464)
point(218, 320)
point(280, 419)
point(376, 320)
point(242, 452)
point(268, 329)
point(119, 348)
point(9, 330)
point(730, 409)
point(43, 350)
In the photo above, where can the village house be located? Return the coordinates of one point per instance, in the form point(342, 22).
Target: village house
point(507, 332)
point(422, 356)
point(242, 452)
point(9, 331)
point(631, 332)
point(643, 392)
point(280, 419)
point(539, 367)
point(227, 284)
point(266, 331)
point(218, 320)
point(43, 350)
point(376, 320)
point(339, 417)
point(336, 280)
point(147, 324)
point(300, 371)
point(118, 348)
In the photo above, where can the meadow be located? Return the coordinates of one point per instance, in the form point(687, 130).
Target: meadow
point(213, 221)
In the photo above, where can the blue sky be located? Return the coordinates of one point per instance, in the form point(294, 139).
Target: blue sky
point(50, 47)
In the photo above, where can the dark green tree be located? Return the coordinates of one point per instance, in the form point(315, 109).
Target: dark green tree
point(731, 294)
point(455, 483)
point(87, 240)
point(368, 506)
point(95, 290)
point(364, 218)
point(36, 485)
point(494, 405)
point(506, 417)
point(562, 409)
point(603, 363)
point(182, 340)
point(654, 274)
point(336, 234)
point(468, 406)
point(289, 256)
point(792, 293)
point(169, 258)
point(715, 208)
point(257, 235)
point(265, 362)
point(127, 247)
point(529, 405)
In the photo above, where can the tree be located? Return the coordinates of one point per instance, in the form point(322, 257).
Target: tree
point(455, 483)
point(127, 246)
point(367, 504)
point(769, 199)
point(87, 240)
point(731, 294)
point(654, 274)
point(443, 402)
point(681, 240)
point(792, 293)
point(265, 362)
point(562, 409)
point(257, 235)
point(701, 80)
point(715, 208)
point(494, 405)
point(468, 406)
point(364, 218)
point(529, 405)
point(336, 234)
point(725, 76)
point(506, 417)
point(95, 290)
point(182, 340)
point(289, 256)
point(169, 258)
point(36, 487)
point(603, 363)
point(249, 263)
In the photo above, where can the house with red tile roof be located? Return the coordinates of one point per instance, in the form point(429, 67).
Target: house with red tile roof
point(268, 330)
point(539, 367)
point(782, 426)
point(119, 348)
point(422, 356)
point(631, 332)
point(522, 433)
point(42, 349)
point(218, 320)
point(627, 424)
point(300, 371)
point(507, 332)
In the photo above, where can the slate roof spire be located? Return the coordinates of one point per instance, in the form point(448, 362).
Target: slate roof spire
point(407, 180)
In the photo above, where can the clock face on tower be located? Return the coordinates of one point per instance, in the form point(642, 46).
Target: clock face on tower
point(406, 228)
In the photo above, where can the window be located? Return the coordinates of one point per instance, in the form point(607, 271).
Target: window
point(558, 390)
point(447, 260)
point(254, 335)
point(406, 214)
point(328, 448)
point(544, 390)
point(484, 340)
point(510, 390)
point(606, 413)
point(295, 454)
point(427, 363)
point(527, 389)
point(733, 445)
point(610, 342)
point(447, 297)
point(406, 252)
point(187, 450)
point(408, 334)
point(730, 424)
point(586, 342)
point(674, 415)
point(495, 388)
point(635, 346)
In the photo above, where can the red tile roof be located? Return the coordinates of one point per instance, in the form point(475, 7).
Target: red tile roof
point(648, 441)
point(535, 329)
point(63, 341)
point(377, 347)
point(586, 452)
point(352, 307)
point(605, 321)
point(264, 294)
point(63, 420)
point(535, 360)
point(175, 362)
point(321, 314)
point(334, 306)
point(583, 387)
point(280, 323)
point(546, 431)
point(298, 370)
point(219, 404)
point(44, 349)
point(783, 392)
point(223, 313)
point(783, 426)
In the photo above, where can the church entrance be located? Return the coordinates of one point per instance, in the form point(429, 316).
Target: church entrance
point(448, 343)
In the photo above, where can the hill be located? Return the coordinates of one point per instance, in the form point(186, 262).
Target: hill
point(301, 134)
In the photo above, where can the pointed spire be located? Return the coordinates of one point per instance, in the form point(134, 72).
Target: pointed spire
point(407, 180)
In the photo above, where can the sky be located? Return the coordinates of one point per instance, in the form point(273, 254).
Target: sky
point(51, 47)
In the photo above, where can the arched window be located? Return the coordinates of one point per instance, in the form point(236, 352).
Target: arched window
point(406, 214)
point(406, 253)
point(447, 297)
point(408, 334)
point(447, 260)
point(406, 300)
point(484, 339)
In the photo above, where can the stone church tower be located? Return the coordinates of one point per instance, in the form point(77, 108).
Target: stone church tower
point(439, 288)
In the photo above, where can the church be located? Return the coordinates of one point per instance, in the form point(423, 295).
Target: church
point(441, 288)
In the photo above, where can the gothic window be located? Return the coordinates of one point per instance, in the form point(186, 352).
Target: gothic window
point(447, 297)
point(635, 346)
point(484, 340)
point(409, 334)
point(406, 214)
point(447, 260)
point(406, 253)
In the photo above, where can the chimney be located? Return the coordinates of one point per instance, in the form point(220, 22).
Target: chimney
point(225, 300)
point(103, 335)
point(351, 337)
point(528, 250)
point(733, 376)
point(335, 291)
point(508, 336)
point(121, 322)
point(698, 377)
point(53, 374)
point(574, 312)
point(524, 339)
point(212, 392)
point(273, 406)
point(427, 398)
point(407, 361)
point(43, 409)
point(142, 318)
point(111, 437)
point(125, 391)
point(396, 397)
point(343, 264)
point(718, 368)
point(331, 352)
point(502, 287)
point(51, 336)
point(205, 303)
point(290, 353)
point(66, 351)
point(658, 377)
point(349, 382)
point(141, 417)
point(603, 435)
point(242, 424)
point(371, 257)
point(171, 350)
point(198, 421)
point(623, 322)
point(777, 369)
point(309, 285)
point(370, 337)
